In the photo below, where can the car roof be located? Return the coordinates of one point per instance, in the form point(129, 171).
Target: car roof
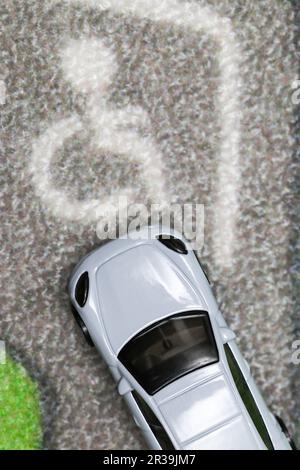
point(201, 411)
point(138, 287)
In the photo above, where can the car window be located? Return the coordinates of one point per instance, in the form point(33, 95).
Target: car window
point(154, 423)
point(247, 397)
point(82, 289)
point(170, 349)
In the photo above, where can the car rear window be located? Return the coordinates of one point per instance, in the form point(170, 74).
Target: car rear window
point(170, 349)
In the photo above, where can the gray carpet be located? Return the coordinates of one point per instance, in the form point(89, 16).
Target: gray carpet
point(170, 75)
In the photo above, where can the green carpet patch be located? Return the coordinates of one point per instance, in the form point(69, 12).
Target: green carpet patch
point(20, 416)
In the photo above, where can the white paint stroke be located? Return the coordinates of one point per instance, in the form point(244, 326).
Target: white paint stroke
point(90, 66)
point(2, 352)
point(2, 92)
point(191, 16)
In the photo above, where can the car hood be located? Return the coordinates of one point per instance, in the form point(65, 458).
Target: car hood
point(138, 287)
point(202, 412)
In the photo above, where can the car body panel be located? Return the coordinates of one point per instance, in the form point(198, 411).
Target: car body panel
point(191, 419)
point(231, 435)
point(150, 287)
point(136, 282)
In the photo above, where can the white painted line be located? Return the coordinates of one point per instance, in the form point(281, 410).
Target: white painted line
point(2, 352)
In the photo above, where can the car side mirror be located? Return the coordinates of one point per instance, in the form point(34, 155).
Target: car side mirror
point(124, 386)
point(227, 334)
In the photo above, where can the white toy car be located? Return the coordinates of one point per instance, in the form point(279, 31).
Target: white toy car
point(147, 306)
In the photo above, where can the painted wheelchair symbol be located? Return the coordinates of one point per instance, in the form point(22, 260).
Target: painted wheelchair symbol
point(189, 16)
point(90, 66)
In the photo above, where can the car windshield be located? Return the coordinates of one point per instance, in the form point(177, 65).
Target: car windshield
point(170, 349)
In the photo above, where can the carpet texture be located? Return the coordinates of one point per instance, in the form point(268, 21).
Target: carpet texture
point(20, 414)
point(189, 100)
